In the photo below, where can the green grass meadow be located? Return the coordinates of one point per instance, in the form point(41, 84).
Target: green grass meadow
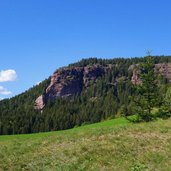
point(110, 145)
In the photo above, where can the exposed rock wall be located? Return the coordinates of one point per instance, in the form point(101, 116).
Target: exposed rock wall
point(67, 82)
point(162, 68)
point(40, 102)
point(91, 73)
point(135, 77)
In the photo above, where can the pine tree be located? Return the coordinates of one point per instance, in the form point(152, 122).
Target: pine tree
point(147, 91)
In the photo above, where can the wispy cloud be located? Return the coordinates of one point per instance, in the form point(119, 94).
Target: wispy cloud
point(8, 75)
point(4, 91)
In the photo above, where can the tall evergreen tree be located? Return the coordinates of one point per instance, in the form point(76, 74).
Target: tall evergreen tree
point(147, 91)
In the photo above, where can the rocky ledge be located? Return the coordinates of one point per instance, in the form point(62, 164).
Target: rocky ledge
point(70, 81)
point(67, 82)
point(163, 69)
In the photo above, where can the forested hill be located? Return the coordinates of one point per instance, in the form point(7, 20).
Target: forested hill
point(88, 91)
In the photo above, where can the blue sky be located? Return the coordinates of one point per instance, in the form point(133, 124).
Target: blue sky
point(39, 36)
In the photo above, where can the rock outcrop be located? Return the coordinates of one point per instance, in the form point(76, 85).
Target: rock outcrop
point(64, 83)
point(91, 73)
point(67, 82)
point(70, 81)
point(163, 69)
point(135, 79)
point(40, 102)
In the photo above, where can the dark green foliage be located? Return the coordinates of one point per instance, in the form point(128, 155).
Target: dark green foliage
point(165, 110)
point(107, 98)
point(148, 90)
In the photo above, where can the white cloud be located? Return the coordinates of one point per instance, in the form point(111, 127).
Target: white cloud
point(4, 91)
point(8, 75)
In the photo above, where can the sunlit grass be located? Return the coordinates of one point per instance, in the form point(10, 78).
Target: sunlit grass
point(110, 145)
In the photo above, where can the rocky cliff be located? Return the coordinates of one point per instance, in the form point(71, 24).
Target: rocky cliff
point(70, 81)
point(67, 82)
point(163, 69)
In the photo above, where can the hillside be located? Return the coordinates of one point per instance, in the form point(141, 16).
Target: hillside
point(110, 145)
point(88, 91)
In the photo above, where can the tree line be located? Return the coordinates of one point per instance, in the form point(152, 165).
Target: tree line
point(111, 96)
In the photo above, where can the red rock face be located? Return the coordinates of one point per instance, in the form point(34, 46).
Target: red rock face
point(135, 78)
point(161, 68)
point(92, 73)
point(39, 103)
point(64, 83)
point(164, 69)
point(68, 82)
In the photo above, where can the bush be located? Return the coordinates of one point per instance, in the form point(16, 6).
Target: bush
point(164, 113)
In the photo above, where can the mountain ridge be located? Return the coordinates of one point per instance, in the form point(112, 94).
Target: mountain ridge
point(69, 81)
point(104, 97)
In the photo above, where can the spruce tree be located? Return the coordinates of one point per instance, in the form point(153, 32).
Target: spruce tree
point(147, 91)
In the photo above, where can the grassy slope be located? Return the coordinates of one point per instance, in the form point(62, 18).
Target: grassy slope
point(110, 145)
